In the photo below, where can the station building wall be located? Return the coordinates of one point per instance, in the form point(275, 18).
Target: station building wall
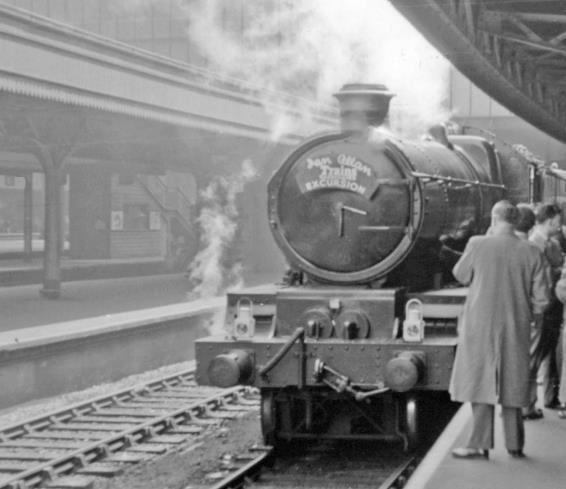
point(157, 26)
point(111, 217)
point(89, 211)
point(138, 230)
point(12, 204)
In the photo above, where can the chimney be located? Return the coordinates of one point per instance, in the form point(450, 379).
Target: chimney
point(362, 106)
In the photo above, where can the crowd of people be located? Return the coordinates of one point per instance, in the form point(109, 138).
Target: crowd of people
point(511, 336)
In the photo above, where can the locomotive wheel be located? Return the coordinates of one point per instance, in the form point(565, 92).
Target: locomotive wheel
point(268, 417)
point(411, 421)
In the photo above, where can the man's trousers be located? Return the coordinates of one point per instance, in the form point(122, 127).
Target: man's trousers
point(482, 429)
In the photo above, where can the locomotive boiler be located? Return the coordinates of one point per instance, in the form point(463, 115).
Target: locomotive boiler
point(363, 330)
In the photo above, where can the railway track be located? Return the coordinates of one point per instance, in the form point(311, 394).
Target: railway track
point(332, 464)
point(70, 447)
point(325, 465)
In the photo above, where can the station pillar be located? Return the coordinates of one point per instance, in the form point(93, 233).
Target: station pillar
point(51, 137)
point(52, 247)
point(28, 216)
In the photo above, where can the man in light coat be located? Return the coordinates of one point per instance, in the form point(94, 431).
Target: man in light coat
point(508, 290)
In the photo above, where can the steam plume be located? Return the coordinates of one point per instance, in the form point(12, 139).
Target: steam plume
point(212, 271)
point(311, 47)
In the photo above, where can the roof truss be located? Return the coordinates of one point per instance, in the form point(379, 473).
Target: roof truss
point(514, 50)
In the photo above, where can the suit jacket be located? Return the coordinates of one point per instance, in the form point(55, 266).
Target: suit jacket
point(552, 253)
point(561, 289)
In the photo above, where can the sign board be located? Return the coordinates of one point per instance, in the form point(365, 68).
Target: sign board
point(117, 221)
point(154, 220)
point(337, 171)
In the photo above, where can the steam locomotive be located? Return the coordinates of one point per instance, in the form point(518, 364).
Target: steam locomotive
point(364, 329)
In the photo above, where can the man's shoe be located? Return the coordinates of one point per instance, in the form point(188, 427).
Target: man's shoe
point(556, 404)
point(466, 452)
point(562, 414)
point(536, 414)
point(516, 453)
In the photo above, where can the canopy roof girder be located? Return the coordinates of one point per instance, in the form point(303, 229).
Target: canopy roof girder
point(515, 51)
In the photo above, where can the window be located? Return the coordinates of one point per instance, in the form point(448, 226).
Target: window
point(136, 217)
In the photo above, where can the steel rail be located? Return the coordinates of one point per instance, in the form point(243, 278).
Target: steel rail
point(250, 469)
point(100, 449)
point(20, 429)
point(400, 476)
point(243, 469)
point(96, 450)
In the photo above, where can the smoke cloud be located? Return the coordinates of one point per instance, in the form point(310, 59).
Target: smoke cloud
point(212, 270)
point(310, 48)
point(297, 53)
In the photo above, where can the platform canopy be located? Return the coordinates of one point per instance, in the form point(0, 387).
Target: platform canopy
point(513, 50)
point(100, 99)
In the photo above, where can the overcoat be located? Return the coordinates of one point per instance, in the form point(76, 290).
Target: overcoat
point(508, 285)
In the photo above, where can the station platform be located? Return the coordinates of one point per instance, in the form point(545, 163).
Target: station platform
point(12, 245)
point(18, 272)
point(42, 361)
point(544, 466)
point(15, 270)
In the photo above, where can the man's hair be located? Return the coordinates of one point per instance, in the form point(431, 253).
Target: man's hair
point(505, 211)
point(547, 211)
point(526, 218)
